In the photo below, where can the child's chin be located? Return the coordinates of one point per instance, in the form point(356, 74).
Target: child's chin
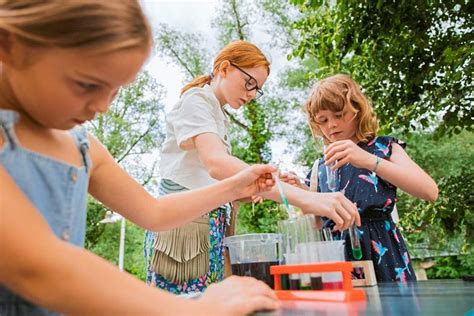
point(235, 106)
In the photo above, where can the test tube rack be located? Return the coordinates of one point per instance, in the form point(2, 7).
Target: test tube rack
point(367, 267)
point(346, 294)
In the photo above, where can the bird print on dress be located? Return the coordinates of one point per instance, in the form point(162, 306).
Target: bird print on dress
point(382, 148)
point(379, 249)
point(400, 274)
point(371, 178)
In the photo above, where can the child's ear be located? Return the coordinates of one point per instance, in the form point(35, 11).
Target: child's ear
point(5, 46)
point(12, 51)
point(224, 68)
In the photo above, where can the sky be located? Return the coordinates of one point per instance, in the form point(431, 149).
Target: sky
point(176, 14)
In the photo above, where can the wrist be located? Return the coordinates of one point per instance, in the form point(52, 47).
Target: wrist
point(376, 164)
point(232, 189)
point(298, 197)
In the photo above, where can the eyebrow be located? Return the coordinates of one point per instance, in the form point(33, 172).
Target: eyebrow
point(246, 73)
point(93, 79)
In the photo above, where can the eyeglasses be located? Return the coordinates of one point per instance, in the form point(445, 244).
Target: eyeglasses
point(251, 83)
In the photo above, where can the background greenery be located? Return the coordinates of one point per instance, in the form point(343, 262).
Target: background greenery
point(412, 58)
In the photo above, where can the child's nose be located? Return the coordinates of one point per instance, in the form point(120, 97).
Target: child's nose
point(332, 122)
point(252, 94)
point(99, 104)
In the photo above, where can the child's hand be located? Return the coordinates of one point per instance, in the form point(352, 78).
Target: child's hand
point(334, 206)
point(255, 199)
point(238, 296)
point(346, 151)
point(253, 180)
point(292, 179)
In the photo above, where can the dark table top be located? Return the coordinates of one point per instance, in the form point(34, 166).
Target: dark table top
point(432, 297)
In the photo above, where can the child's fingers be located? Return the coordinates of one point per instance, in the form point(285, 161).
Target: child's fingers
point(346, 216)
point(333, 158)
point(337, 220)
point(358, 221)
point(259, 303)
point(340, 163)
point(330, 154)
point(263, 169)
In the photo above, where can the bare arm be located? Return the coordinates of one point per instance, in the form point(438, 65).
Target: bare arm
point(49, 272)
point(399, 170)
point(405, 174)
point(54, 274)
point(111, 185)
point(221, 165)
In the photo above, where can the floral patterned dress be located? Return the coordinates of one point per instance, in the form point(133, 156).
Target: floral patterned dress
point(380, 238)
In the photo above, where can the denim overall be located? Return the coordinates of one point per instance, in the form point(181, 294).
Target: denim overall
point(57, 190)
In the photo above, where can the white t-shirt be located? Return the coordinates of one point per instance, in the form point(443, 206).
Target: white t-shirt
point(198, 111)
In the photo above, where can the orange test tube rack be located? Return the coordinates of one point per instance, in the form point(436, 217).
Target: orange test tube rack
point(346, 294)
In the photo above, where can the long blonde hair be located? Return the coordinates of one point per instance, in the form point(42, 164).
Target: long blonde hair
point(240, 53)
point(337, 93)
point(99, 26)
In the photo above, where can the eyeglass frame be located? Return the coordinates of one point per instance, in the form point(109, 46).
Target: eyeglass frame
point(259, 92)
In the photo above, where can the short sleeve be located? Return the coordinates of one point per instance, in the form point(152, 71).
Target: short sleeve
point(194, 116)
point(384, 144)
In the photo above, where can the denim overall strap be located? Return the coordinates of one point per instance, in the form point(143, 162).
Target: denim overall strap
point(80, 136)
point(8, 119)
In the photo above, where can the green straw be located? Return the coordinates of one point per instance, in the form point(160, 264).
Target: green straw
point(282, 193)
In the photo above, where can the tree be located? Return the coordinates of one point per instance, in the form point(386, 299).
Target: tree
point(131, 130)
point(413, 58)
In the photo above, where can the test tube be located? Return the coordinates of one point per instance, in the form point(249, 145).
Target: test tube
point(331, 176)
point(355, 243)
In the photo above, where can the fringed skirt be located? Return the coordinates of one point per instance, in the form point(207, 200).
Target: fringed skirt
point(188, 258)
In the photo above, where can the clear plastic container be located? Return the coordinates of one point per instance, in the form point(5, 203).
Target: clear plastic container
point(330, 251)
point(254, 254)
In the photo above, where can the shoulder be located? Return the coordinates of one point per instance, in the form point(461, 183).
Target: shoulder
point(383, 146)
point(390, 140)
point(98, 152)
point(199, 95)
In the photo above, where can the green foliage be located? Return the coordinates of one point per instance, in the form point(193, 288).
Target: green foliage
point(95, 213)
point(232, 21)
point(260, 218)
point(186, 50)
point(413, 58)
point(131, 130)
point(448, 223)
point(108, 247)
point(451, 267)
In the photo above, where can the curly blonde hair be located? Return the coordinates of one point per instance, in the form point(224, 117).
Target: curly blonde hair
point(337, 93)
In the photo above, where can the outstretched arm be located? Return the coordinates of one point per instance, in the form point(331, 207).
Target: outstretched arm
point(111, 185)
point(221, 165)
point(54, 274)
point(49, 272)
